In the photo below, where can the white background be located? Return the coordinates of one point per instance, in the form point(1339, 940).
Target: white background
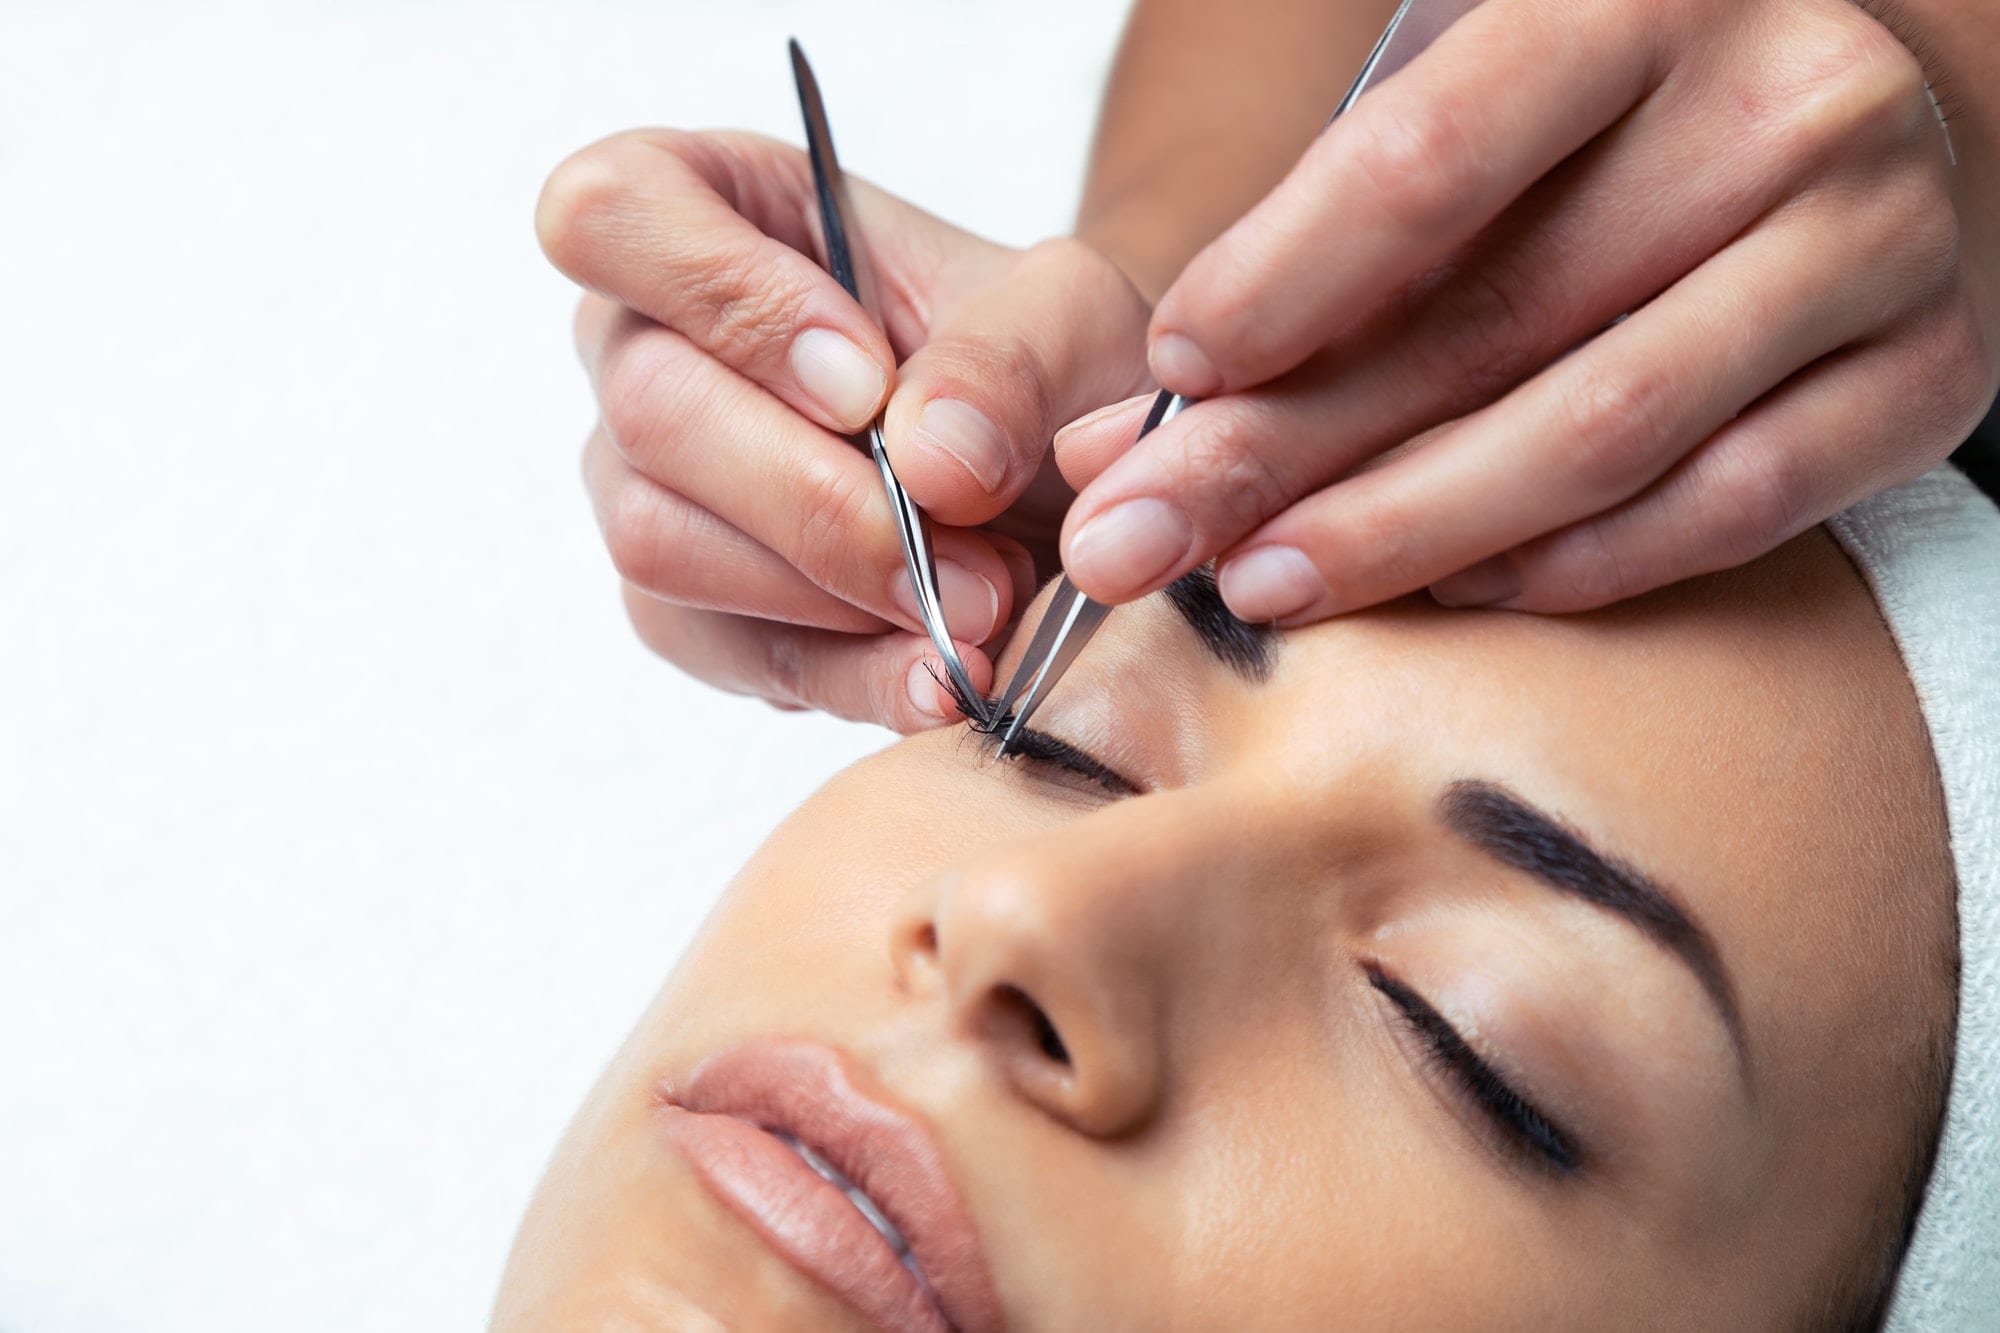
point(343, 826)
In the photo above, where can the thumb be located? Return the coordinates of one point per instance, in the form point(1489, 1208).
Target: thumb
point(1061, 332)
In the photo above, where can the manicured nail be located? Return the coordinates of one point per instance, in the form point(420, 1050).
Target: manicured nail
point(1491, 580)
point(1090, 419)
point(966, 434)
point(1183, 367)
point(926, 695)
point(971, 604)
point(842, 379)
point(1269, 583)
point(1129, 547)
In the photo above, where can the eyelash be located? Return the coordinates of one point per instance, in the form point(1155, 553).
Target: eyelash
point(1526, 1127)
point(1036, 746)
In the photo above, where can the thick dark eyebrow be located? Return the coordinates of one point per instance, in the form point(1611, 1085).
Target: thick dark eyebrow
point(1248, 650)
point(1520, 835)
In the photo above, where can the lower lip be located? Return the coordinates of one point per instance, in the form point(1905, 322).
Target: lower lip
point(804, 1218)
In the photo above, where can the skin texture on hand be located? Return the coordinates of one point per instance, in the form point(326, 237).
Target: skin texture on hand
point(755, 541)
point(1234, 1127)
point(1593, 296)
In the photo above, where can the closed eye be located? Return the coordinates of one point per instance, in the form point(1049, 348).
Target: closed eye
point(1037, 747)
point(1041, 748)
point(1523, 1125)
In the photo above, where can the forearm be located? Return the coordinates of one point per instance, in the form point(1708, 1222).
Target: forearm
point(1208, 106)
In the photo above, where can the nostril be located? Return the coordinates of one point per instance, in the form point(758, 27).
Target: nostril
point(1015, 999)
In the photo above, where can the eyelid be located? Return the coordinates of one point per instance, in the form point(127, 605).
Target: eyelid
point(1529, 1130)
point(1039, 747)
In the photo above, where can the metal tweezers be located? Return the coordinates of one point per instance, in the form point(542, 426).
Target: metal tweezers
point(1071, 618)
point(848, 262)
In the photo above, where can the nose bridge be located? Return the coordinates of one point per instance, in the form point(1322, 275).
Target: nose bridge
point(1116, 888)
point(1069, 953)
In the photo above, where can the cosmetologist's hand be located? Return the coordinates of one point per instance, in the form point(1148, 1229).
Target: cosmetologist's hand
point(1765, 188)
point(756, 542)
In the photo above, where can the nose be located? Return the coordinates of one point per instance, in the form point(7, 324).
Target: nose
point(1066, 956)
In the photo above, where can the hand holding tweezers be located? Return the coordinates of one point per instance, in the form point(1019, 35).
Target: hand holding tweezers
point(847, 260)
point(1072, 618)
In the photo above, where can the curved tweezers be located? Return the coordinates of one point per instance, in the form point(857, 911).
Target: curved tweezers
point(848, 263)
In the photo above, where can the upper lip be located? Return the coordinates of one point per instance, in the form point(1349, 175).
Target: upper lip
point(824, 1099)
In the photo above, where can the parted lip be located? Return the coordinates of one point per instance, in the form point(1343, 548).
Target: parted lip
point(826, 1100)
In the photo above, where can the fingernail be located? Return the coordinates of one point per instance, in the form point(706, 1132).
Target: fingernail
point(1092, 418)
point(1491, 580)
point(971, 604)
point(1269, 583)
point(1183, 367)
point(926, 695)
point(1129, 546)
point(842, 379)
point(964, 432)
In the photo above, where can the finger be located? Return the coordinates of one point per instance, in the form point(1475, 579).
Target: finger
point(1090, 444)
point(1586, 434)
point(1805, 452)
point(880, 678)
point(703, 432)
point(672, 548)
point(976, 406)
point(1405, 177)
point(709, 235)
point(1610, 228)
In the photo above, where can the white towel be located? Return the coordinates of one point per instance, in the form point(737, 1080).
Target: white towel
point(1930, 552)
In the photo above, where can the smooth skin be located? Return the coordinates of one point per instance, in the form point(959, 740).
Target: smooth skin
point(1764, 187)
point(1241, 1131)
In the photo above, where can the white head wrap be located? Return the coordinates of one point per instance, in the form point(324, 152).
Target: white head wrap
point(1930, 552)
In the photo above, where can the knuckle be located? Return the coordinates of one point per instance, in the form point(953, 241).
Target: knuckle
point(1764, 496)
point(641, 537)
point(739, 309)
point(834, 505)
point(885, 696)
point(1953, 371)
point(1590, 571)
point(1420, 164)
point(1079, 267)
point(1926, 231)
point(1617, 419)
point(629, 390)
point(1230, 465)
point(1374, 550)
point(1488, 327)
point(1849, 79)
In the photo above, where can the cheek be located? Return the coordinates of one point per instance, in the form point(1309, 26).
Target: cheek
point(807, 920)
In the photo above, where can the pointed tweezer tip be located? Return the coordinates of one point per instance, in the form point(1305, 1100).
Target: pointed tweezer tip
point(1013, 730)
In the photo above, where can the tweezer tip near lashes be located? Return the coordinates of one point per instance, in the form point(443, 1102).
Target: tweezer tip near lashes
point(982, 711)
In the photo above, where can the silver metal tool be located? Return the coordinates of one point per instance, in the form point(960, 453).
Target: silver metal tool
point(847, 260)
point(1073, 618)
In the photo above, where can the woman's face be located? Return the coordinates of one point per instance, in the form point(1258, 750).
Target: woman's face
point(1456, 970)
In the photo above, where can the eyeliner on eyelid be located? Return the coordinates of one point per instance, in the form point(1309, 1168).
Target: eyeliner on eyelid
point(1527, 1128)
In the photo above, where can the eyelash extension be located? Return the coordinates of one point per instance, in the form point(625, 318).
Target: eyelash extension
point(1046, 749)
point(1515, 1115)
point(1028, 743)
point(1937, 81)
